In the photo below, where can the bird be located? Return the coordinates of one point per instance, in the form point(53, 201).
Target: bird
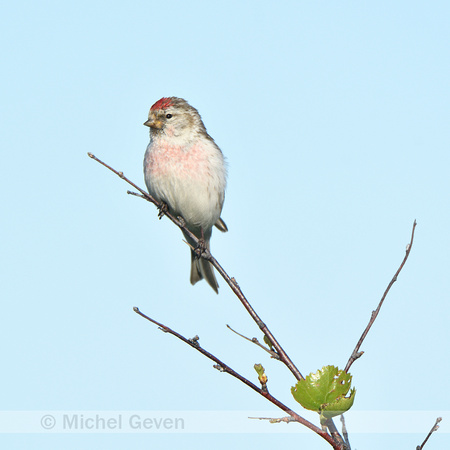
point(186, 171)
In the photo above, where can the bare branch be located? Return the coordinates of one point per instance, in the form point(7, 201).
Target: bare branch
point(356, 353)
point(433, 429)
point(335, 434)
point(121, 175)
point(272, 354)
point(345, 433)
point(287, 419)
point(205, 253)
point(136, 194)
point(263, 327)
point(225, 368)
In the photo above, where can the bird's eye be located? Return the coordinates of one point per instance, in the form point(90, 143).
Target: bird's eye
point(168, 116)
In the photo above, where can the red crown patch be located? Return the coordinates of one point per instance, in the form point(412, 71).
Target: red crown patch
point(163, 103)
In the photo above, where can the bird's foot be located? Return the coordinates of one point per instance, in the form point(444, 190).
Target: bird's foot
point(201, 247)
point(163, 208)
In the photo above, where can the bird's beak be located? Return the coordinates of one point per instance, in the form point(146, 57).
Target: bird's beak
point(153, 123)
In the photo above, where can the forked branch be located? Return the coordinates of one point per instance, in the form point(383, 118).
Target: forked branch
point(335, 439)
point(255, 341)
point(433, 429)
point(208, 256)
point(227, 369)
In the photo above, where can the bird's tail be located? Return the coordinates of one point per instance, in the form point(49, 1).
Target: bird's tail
point(200, 267)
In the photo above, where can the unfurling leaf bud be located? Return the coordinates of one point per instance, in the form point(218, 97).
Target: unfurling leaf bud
point(262, 377)
point(267, 341)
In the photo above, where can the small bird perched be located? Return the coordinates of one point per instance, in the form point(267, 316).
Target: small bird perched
point(185, 169)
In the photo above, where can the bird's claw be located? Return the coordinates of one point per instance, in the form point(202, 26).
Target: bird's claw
point(163, 208)
point(201, 248)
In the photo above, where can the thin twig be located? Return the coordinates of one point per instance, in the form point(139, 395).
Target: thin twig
point(225, 368)
point(433, 429)
point(273, 354)
point(263, 327)
point(345, 433)
point(136, 194)
point(208, 256)
point(335, 434)
point(356, 353)
point(121, 175)
point(287, 419)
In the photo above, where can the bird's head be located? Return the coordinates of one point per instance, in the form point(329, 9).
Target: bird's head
point(173, 117)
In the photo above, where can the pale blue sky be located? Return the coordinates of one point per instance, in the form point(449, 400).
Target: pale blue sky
point(334, 118)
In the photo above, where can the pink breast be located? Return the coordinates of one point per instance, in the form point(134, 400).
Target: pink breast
point(169, 160)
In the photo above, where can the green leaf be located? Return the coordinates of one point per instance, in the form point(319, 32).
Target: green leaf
point(267, 341)
point(338, 407)
point(324, 392)
point(259, 369)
